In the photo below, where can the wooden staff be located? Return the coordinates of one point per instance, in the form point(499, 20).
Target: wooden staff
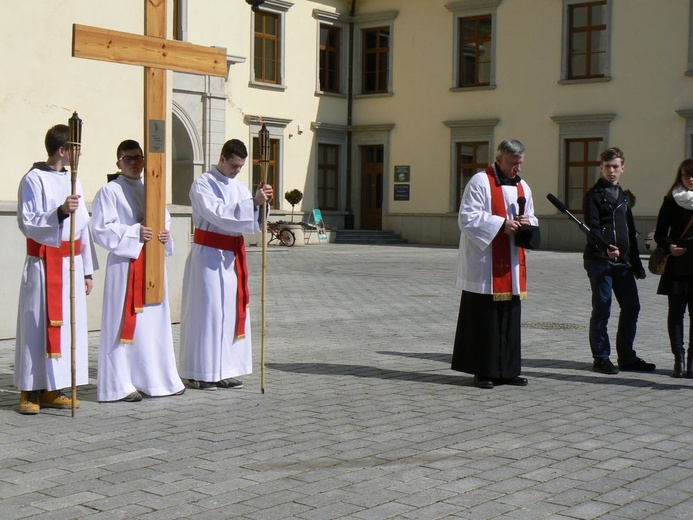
point(264, 141)
point(75, 144)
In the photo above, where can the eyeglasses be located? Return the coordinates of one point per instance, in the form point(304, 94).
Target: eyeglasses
point(127, 159)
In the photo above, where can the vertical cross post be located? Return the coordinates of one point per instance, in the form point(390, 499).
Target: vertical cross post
point(157, 55)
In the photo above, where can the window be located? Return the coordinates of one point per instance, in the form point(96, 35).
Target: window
point(272, 168)
point(266, 47)
point(581, 139)
point(330, 58)
point(333, 46)
point(586, 40)
point(373, 52)
point(581, 169)
point(687, 115)
point(268, 44)
point(472, 157)
point(180, 8)
point(474, 31)
point(375, 60)
point(328, 176)
point(475, 51)
point(471, 150)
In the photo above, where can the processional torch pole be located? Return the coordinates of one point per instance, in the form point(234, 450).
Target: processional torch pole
point(75, 145)
point(264, 141)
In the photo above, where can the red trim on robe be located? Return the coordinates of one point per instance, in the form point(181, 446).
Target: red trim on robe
point(53, 266)
point(134, 298)
point(500, 247)
point(237, 245)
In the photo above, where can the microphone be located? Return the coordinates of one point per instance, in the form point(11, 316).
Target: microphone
point(521, 201)
point(597, 240)
point(559, 205)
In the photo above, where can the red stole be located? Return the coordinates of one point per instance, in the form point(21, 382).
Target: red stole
point(53, 266)
point(134, 298)
point(500, 247)
point(237, 245)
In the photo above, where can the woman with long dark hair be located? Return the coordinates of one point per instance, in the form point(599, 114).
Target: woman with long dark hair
point(675, 236)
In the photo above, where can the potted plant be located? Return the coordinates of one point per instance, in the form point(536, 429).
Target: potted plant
point(293, 197)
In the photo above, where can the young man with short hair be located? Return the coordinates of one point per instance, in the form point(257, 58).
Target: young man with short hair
point(607, 213)
point(42, 366)
point(215, 342)
point(136, 354)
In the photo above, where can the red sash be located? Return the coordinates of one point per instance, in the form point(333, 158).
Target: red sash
point(237, 245)
point(500, 247)
point(134, 298)
point(53, 266)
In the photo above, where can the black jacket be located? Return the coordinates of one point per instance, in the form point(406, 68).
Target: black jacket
point(612, 219)
point(671, 222)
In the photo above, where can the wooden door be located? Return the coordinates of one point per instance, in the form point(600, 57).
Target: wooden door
point(372, 186)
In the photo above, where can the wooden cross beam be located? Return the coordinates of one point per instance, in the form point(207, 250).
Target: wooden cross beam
point(157, 55)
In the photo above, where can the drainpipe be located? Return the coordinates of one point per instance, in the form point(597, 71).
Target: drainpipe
point(349, 217)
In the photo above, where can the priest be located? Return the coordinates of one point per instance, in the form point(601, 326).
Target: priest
point(491, 270)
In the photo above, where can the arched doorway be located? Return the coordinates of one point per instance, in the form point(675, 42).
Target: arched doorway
point(183, 163)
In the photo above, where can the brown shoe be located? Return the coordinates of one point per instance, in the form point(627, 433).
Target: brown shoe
point(29, 403)
point(56, 399)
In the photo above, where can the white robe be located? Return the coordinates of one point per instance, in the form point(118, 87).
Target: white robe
point(479, 226)
point(41, 192)
point(148, 365)
point(208, 350)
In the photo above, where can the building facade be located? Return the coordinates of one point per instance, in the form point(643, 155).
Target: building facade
point(379, 111)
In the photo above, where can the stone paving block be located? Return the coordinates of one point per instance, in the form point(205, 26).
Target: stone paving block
point(52, 504)
point(423, 498)
point(365, 404)
point(435, 511)
point(589, 510)
point(384, 511)
point(535, 511)
point(123, 512)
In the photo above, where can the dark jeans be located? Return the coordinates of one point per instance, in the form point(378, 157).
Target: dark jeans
point(677, 309)
point(605, 278)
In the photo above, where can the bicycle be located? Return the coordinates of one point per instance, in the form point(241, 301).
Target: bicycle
point(284, 235)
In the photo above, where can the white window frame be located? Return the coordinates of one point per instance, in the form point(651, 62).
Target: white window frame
point(277, 129)
point(280, 8)
point(465, 9)
point(579, 127)
point(565, 46)
point(336, 20)
point(689, 69)
point(687, 115)
point(468, 131)
point(367, 21)
point(333, 135)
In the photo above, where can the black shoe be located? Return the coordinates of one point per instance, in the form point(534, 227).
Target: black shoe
point(482, 382)
point(516, 381)
point(134, 397)
point(202, 385)
point(230, 382)
point(637, 365)
point(604, 366)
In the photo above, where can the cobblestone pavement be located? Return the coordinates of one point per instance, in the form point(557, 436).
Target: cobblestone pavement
point(362, 417)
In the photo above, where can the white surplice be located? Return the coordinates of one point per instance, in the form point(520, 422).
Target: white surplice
point(479, 226)
point(148, 365)
point(208, 349)
point(41, 192)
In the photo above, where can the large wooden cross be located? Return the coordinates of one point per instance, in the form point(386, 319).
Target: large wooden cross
point(157, 54)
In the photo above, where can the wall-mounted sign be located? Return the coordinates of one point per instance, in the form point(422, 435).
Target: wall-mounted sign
point(402, 173)
point(157, 136)
point(401, 191)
